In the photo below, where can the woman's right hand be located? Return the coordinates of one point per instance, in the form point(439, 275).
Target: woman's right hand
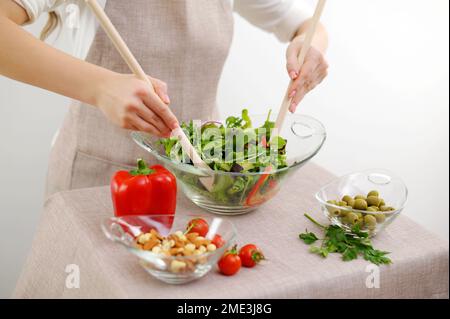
point(128, 103)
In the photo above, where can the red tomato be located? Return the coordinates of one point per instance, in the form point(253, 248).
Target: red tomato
point(264, 141)
point(218, 241)
point(199, 226)
point(250, 255)
point(230, 263)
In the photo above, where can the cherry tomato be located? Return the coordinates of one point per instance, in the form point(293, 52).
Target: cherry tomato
point(264, 141)
point(199, 226)
point(218, 241)
point(250, 255)
point(230, 263)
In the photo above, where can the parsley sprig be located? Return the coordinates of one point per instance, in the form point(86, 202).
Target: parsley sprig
point(350, 244)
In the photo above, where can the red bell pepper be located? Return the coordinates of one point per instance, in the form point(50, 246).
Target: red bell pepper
point(255, 197)
point(144, 191)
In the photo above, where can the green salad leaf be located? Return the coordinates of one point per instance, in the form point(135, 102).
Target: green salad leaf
point(236, 147)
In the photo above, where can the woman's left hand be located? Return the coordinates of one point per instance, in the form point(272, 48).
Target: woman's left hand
point(306, 78)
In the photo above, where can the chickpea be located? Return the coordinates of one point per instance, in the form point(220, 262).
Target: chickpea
point(156, 250)
point(143, 238)
point(189, 247)
point(177, 266)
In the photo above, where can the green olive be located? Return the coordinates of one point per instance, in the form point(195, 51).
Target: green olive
point(351, 218)
point(370, 221)
point(351, 202)
point(385, 208)
point(372, 209)
point(373, 201)
point(360, 204)
point(373, 193)
point(346, 210)
point(347, 198)
point(334, 212)
point(332, 202)
point(360, 220)
point(360, 197)
point(342, 203)
point(382, 203)
point(380, 218)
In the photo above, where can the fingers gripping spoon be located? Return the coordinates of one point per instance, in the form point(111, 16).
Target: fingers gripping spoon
point(133, 64)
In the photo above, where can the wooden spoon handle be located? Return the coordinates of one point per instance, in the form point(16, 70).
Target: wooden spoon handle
point(118, 42)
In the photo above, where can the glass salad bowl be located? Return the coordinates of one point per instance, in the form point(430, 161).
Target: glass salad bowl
point(392, 196)
point(125, 231)
point(240, 191)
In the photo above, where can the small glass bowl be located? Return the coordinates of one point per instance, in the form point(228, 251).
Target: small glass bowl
point(305, 137)
point(124, 230)
point(390, 187)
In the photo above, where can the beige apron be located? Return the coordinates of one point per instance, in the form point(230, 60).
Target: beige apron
point(182, 42)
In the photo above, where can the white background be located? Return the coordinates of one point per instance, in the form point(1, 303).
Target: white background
point(384, 104)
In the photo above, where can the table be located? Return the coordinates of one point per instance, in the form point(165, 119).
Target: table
point(69, 233)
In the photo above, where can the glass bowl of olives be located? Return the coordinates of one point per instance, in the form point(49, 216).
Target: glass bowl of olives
point(371, 199)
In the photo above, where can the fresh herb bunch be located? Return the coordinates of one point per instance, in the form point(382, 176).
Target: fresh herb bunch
point(349, 244)
point(247, 151)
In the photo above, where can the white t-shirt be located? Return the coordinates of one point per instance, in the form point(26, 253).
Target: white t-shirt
point(280, 17)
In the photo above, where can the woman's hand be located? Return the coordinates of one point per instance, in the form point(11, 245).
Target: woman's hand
point(128, 103)
point(306, 78)
point(124, 99)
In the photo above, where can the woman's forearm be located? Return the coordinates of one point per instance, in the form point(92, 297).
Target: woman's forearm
point(125, 100)
point(320, 39)
point(27, 59)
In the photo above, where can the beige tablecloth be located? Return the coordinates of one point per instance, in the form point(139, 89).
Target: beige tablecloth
point(69, 233)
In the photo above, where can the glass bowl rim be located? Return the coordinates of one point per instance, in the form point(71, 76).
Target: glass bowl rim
point(396, 211)
point(201, 172)
point(188, 217)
